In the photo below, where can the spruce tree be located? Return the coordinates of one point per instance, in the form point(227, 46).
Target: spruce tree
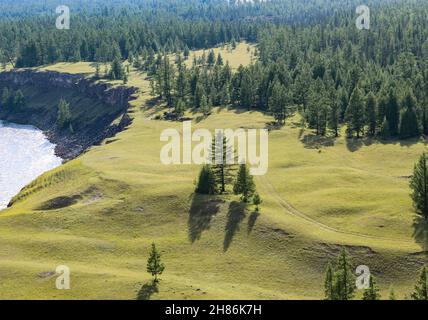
point(371, 107)
point(344, 278)
point(355, 112)
point(392, 113)
point(409, 122)
point(384, 129)
point(329, 282)
point(244, 184)
point(154, 265)
point(421, 287)
point(419, 186)
point(257, 201)
point(372, 292)
point(64, 115)
point(206, 181)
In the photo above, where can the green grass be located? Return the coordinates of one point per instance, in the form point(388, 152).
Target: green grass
point(317, 197)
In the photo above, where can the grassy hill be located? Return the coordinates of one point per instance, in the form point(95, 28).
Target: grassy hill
point(99, 214)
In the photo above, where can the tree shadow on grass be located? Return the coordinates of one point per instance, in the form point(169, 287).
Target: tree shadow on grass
point(235, 215)
point(202, 209)
point(252, 221)
point(420, 232)
point(147, 290)
point(313, 141)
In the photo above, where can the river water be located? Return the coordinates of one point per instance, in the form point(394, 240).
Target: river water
point(25, 153)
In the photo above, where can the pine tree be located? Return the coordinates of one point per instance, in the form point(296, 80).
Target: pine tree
point(371, 107)
point(392, 113)
point(421, 287)
point(205, 106)
point(329, 289)
point(97, 71)
point(223, 171)
point(419, 186)
point(372, 292)
point(409, 122)
point(355, 112)
point(384, 129)
point(206, 181)
point(64, 115)
point(344, 278)
point(154, 265)
point(278, 101)
point(257, 201)
point(244, 184)
point(116, 70)
point(179, 108)
point(18, 101)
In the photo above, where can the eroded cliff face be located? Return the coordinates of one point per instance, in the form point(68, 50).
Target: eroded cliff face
point(94, 107)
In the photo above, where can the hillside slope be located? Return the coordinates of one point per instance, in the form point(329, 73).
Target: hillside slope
point(99, 214)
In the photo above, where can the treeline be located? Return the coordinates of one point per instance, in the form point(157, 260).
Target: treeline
point(103, 30)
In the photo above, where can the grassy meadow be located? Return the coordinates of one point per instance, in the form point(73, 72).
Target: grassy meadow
point(99, 214)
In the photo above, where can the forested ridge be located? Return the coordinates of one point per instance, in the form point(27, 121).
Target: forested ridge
point(312, 58)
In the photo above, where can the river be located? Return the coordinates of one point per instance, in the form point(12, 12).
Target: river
point(25, 153)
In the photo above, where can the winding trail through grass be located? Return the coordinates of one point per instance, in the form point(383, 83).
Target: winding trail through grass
point(291, 210)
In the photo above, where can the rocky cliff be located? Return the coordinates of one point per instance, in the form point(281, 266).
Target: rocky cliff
point(99, 110)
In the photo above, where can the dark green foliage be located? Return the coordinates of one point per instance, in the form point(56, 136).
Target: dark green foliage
point(339, 281)
point(64, 115)
point(409, 124)
point(117, 71)
point(371, 118)
point(392, 112)
point(372, 293)
point(257, 201)
point(154, 265)
point(206, 181)
point(421, 287)
point(355, 113)
point(419, 186)
point(244, 184)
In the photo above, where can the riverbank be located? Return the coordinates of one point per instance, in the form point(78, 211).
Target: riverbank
point(99, 110)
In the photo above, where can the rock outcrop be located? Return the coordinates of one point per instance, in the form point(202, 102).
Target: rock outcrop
point(111, 118)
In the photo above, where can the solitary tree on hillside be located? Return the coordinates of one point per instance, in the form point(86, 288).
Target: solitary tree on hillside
point(223, 171)
point(244, 184)
point(421, 287)
point(419, 186)
point(154, 265)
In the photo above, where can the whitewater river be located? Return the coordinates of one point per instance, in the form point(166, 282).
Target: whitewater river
point(25, 153)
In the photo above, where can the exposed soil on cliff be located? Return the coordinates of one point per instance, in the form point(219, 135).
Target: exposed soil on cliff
point(99, 110)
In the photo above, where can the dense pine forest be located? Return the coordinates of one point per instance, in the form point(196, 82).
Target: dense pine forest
point(373, 80)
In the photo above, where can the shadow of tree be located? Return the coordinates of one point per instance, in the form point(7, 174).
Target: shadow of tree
point(312, 141)
point(202, 209)
point(147, 290)
point(420, 232)
point(235, 215)
point(252, 221)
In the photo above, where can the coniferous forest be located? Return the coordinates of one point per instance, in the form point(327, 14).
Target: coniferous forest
point(345, 110)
